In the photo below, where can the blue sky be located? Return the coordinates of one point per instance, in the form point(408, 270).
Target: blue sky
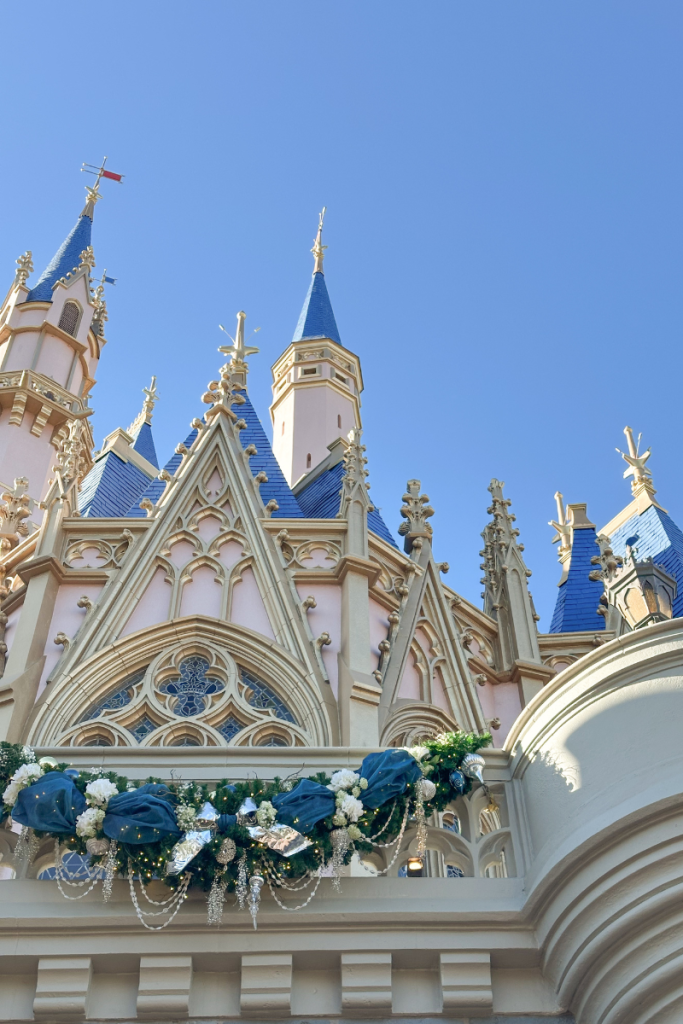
point(503, 183)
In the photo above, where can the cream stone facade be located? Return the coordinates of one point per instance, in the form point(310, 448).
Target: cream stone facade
point(231, 615)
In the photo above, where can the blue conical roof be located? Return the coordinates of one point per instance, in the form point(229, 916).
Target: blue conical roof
point(317, 319)
point(65, 260)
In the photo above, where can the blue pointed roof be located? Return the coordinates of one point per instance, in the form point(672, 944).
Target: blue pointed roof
point(579, 598)
point(317, 319)
point(143, 443)
point(655, 535)
point(110, 487)
point(65, 260)
point(322, 500)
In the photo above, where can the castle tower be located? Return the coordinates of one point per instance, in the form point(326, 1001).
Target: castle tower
point(51, 338)
point(316, 383)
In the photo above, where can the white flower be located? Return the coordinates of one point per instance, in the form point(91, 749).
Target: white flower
point(343, 779)
point(88, 823)
point(354, 832)
point(355, 791)
point(339, 819)
point(418, 752)
point(266, 814)
point(185, 815)
point(10, 795)
point(29, 753)
point(100, 792)
point(351, 807)
point(363, 783)
point(24, 775)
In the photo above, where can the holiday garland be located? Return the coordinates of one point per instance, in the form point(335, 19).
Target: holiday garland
point(237, 836)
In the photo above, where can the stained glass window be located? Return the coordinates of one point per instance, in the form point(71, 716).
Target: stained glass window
point(142, 728)
point(120, 697)
point(193, 688)
point(274, 741)
point(229, 728)
point(262, 698)
point(453, 872)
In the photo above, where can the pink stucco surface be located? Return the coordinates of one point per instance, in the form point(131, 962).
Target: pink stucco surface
point(500, 701)
point(24, 454)
point(411, 683)
point(181, 553)
point(209, 527)
point(214, 484)
point(230, 553)
point(248, 608)
point(67, 618)
point(379, 627)
point(153, 605)
point(325, 618)
point(55, 360)
point(202, 594)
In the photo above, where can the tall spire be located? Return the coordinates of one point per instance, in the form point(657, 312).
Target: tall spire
point(317, 318)
point(67, 257)
point(642, 476)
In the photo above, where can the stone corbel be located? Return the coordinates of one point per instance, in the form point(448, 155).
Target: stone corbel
point(360, 566)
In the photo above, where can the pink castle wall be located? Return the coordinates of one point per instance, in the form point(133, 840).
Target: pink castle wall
point(325, 618)
point(67, 618)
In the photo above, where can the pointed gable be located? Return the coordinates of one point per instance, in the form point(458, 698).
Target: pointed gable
point(276, 487)
point(317, 318)
point(65, 260)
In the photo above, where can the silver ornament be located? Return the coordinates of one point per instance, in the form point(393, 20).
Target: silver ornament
point(472, 766)
point(282, 838)
point(207, 818)
point(255, 886)
point(186, 850)
point(428, 789)
point(96, 847)
point(227, 852)
point(48, 762)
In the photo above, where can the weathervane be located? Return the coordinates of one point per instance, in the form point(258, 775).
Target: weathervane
point(93, 191)
point(563, 531)
point(642, 477)
point(318, 249)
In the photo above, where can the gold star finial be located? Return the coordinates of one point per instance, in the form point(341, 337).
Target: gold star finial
point(318, 249)
point(238, 351)
point(642, 477)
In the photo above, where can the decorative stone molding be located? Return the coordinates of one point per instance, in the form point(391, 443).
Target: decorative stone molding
point(62, 988)
point(466, 982)
point(366, 983)
point(266, 984)
point(164, 989)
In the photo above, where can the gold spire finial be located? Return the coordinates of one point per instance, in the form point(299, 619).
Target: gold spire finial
point(151, 399)
point(318, 249)
point(238, 351)
point(642, 477)
point(562, 528)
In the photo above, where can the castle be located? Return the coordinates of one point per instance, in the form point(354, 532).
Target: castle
point(245, 609)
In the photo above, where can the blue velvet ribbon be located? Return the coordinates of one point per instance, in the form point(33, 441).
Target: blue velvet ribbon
point(388, 773)
point(308, 803)
point(225, 821)
point(50, 804)
point(141, 816)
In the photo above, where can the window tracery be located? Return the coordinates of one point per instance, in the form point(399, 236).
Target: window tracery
point(70, 318)
point(189, 697)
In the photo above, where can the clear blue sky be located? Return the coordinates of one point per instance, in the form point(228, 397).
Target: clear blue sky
point(503, 183)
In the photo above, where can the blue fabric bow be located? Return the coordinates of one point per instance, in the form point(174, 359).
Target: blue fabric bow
point(308, 803)
point(50, 804)
point(388, 774)
point(141, 816)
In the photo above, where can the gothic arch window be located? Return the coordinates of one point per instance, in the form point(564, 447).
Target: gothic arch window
point(70, 318)
point(197, 697)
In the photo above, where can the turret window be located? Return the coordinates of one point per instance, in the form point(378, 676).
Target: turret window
point(308, 461)
point(70, 318)
point(339, 422)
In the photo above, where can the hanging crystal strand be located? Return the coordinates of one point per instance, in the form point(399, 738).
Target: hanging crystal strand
point(340, 844)
point(21, 850)
point(242, 889)
point(216, 900)
point(255, 886)
point(33, 845)
point(420, 818)
point(109, 870)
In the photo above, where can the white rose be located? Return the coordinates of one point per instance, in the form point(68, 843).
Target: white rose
point(100, 792)
point(27, 773)
point(343, 779)
point(88, 823)
point(418, 752)
point(10, 795)
point(339, 819)
point(354, 832)
point(351, 807)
